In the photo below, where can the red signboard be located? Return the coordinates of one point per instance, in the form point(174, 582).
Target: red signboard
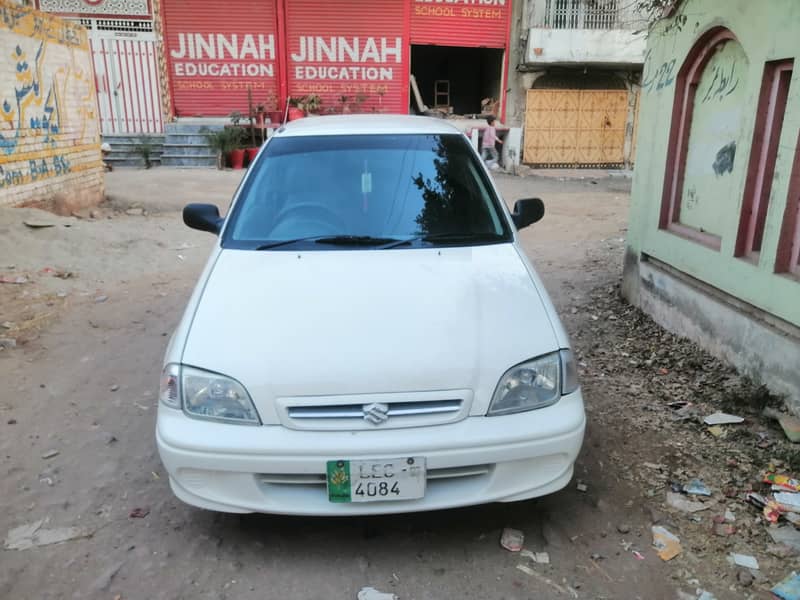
point(352, 54)
point(474, 23)
point(216, 51)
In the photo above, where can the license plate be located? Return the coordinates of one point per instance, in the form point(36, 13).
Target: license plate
point(376, 480)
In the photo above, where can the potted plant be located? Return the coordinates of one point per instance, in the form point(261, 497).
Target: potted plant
point(236, 155)
point(222, 141)
point(236, 151)
point(295, 110)
point(311, 104)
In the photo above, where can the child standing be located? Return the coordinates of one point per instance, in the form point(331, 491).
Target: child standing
point(488, 149)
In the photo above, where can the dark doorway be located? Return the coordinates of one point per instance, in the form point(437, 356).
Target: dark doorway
point(465, 76)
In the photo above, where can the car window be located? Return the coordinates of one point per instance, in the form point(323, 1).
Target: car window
point(387, 187)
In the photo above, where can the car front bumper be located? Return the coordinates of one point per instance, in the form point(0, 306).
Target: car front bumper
point(273, 469)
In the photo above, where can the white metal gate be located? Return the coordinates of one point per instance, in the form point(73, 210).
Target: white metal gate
point(126, 75)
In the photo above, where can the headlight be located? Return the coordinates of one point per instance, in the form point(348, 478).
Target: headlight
point(207, 395)
point(530, 385)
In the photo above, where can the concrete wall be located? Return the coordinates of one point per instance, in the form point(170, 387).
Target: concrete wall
point(759, 347)
point(584, 47)
point(49, 135)
point(755, 316)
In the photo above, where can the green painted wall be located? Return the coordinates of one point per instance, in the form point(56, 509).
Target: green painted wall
point(724, 113)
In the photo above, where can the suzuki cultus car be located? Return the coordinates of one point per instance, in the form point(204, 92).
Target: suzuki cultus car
point(367, 335)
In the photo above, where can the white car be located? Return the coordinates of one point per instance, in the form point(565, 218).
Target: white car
point(367, 336)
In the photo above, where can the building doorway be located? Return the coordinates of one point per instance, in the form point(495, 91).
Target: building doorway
point(456, 80)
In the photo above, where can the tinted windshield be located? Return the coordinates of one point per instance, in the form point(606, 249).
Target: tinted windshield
point(425, 188)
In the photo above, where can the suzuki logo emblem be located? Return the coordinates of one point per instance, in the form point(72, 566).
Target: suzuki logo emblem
point(376, 413)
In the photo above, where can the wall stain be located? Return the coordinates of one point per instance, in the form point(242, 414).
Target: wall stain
point(725, 157)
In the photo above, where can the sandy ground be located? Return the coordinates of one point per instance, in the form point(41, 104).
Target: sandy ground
point(80, 389)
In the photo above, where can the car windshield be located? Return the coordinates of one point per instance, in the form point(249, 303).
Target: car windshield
point(366, 191)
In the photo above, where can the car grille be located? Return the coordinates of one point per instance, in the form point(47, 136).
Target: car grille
point(394, 412)
point(357, 411)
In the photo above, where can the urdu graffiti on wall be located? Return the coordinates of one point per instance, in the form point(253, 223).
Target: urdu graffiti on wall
point(723, 83)
point(663, 76)
point(31, 107)
point(45, 75)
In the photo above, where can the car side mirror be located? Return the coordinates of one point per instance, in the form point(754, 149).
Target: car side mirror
point(204, 217)
point(527, 211)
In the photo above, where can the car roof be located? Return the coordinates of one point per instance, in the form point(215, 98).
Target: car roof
point(364, 125)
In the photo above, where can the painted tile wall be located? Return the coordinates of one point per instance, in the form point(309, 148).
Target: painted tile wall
point(49, 135)
point(725, 113)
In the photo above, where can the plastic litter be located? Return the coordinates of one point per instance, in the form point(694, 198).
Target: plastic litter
point(722, 527)
point(542, 558)
point(370, 593)
point(744, 560)
point(785, 535)
point(789, 500)
point(783, 482)
point(139, 513)
point(667, 544)
point(697, 488)
point(512, 539)
point(790, 424)
point(789, 588)
point(684, 504)
point(720, 418)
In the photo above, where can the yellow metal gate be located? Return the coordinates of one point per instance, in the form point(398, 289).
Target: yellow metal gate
point(574, 128)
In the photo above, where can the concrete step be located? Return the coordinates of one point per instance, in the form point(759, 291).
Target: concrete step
point(195, 139)
point(134, 139)
point(117, 154)
point(187, 150)
point(184, 128)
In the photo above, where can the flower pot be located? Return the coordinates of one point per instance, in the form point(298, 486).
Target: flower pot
point(251, 154)
point(275, 117)
point(295, 113)
point(237, 159)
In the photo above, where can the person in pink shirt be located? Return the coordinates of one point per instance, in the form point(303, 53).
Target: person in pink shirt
point(488, 149)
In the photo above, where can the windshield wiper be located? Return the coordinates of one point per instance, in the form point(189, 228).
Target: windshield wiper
point(455, 238)
point(335, 240)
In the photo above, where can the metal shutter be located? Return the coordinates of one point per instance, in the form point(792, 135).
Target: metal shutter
point(337, 31)
point(481, 24)
point(210, 85)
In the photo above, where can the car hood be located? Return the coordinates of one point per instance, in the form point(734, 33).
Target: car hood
point(343, 322)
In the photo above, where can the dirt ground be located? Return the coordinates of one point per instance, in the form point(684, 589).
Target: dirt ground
point(97, 299)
